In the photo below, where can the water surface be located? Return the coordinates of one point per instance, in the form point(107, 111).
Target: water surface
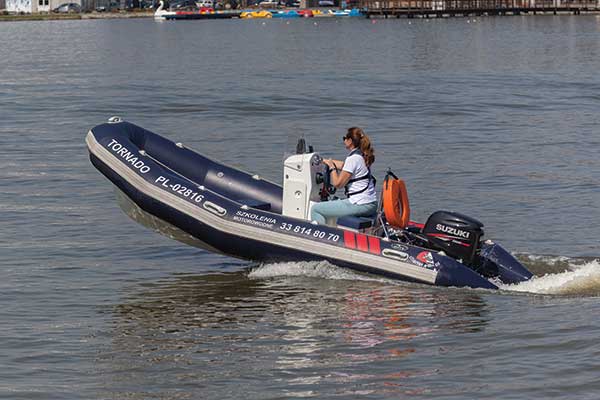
point(493, 117)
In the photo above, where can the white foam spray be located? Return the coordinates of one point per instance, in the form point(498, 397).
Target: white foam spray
point(581, 279)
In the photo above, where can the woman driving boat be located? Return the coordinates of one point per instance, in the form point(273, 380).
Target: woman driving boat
point(354, 174)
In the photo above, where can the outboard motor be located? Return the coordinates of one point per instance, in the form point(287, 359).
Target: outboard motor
point(456, 234)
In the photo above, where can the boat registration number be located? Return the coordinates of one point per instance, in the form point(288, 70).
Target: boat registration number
point(182, 190)
point(309, 231)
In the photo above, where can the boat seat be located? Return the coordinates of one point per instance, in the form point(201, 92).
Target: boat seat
point(258, 204)
point(356, 223)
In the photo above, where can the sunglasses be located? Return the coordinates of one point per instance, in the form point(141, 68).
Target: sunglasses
point(344, 138)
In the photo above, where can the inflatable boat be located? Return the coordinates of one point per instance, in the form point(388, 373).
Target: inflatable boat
point(232, 212)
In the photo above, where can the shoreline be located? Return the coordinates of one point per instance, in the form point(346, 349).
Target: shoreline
point(150, 14)
point(78, 16)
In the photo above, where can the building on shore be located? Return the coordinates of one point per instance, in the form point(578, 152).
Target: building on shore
point(37, 6)
point(2, 4)
point(20, 6)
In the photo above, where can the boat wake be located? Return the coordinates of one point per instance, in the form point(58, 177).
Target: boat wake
point(555, 275)
point(309, 269)
point(578, 278)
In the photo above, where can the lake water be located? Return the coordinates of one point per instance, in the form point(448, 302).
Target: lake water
point(497, 118)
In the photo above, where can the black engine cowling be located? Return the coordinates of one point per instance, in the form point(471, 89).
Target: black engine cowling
point(456, 234)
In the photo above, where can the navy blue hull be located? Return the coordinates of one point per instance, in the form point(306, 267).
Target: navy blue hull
point(228, 244)
point(239, 214)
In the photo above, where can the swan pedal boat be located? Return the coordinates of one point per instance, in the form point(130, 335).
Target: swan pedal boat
point(225, 210)
point(162, 13)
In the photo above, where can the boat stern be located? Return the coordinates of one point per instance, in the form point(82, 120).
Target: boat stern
point(452, 273)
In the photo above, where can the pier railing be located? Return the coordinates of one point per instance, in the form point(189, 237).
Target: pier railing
point(465, 7)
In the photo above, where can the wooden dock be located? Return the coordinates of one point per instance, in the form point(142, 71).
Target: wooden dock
point(463, 8)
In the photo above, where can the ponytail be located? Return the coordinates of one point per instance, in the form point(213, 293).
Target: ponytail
point(361, 141)
point(367, 151)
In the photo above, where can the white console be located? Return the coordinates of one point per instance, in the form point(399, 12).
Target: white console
point(300, 184)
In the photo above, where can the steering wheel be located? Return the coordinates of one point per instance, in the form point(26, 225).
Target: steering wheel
point(328, 189)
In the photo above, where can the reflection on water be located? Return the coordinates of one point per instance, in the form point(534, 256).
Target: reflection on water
point(400, 314)
point(295, 333)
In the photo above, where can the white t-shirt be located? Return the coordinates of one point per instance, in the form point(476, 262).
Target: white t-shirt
point(355, 164)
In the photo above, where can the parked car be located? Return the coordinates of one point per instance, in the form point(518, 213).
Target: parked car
point(326, 3)
point(147, 4)
point(68, 8)
point(268, 3)
point(226, 4)
point(183, 5)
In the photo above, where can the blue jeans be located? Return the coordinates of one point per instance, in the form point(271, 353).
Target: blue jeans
point(341, 208)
